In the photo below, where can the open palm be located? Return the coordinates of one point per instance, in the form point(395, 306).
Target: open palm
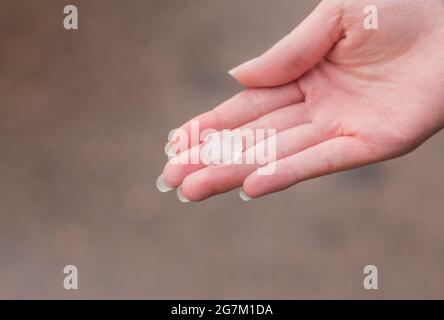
point(339, 96)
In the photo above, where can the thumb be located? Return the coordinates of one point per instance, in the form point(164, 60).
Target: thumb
point(297, 53)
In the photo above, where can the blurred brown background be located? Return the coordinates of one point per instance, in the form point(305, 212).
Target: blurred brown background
point(84, 116)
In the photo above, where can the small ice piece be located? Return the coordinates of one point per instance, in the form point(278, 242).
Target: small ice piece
point(222, 147)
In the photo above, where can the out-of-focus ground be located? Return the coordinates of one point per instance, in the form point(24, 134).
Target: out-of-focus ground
point(84, 117)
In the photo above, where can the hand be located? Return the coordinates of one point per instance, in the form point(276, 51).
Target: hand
point(339, 96)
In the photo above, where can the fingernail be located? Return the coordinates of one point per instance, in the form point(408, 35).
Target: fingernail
point(170, 150)
point(162, 185)
point(171, 134)
point(180, 195)
point(243, 196)
point(232, 72)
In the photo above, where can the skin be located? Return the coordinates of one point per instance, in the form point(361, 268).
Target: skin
point(340, 97)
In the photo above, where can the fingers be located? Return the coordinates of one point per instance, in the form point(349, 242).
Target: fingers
point(297, 53)
point(282, 119)
point(213, 180)
point(242, 108)
point(333, 155)
point(182, 165)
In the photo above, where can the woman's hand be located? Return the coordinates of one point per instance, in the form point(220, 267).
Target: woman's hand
point(339, 96)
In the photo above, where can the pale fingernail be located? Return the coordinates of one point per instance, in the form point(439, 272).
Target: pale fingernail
point(243, 195)
point(170, 150)
point(232, 72)
point(171, 134)
point(162, 185)
point(180, 195)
